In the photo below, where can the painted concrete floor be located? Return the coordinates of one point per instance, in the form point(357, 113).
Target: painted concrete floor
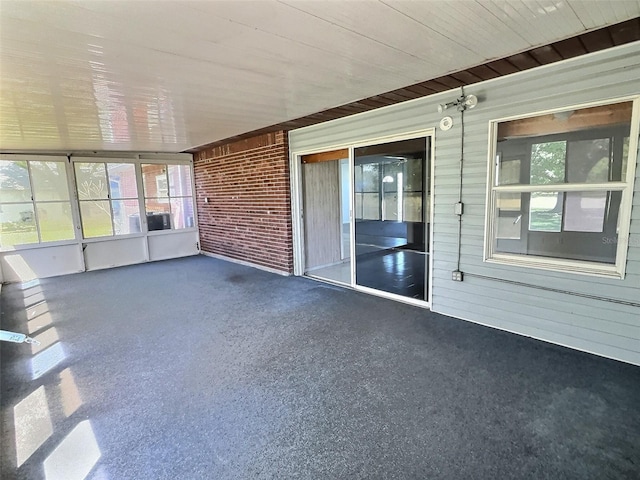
point(201, 369)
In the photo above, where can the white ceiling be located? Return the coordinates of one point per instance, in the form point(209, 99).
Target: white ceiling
point(171, 75)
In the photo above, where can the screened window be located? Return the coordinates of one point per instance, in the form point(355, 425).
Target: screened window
point(168, 196)
point(34, 202)
point(560, 195)
point(389, 189)
point(108, 197)
point(367, 192)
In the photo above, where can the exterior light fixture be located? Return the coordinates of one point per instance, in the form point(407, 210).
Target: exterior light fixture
point(463, 103)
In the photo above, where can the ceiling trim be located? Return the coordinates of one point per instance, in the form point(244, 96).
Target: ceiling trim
point(593, 41)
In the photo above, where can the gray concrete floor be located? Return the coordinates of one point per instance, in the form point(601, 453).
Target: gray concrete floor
point(202, 369)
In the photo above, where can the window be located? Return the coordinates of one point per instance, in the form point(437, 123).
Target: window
point(108, 197)
point(168, 196)
point(367, 192)
point(560, 195)
point(34, 202)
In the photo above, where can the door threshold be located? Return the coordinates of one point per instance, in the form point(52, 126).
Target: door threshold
point(372, 291)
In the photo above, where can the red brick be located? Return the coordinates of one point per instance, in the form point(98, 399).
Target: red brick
point(248, 216)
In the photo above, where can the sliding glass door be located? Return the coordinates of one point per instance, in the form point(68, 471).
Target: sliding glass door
point(391, 191)
point(365, 217)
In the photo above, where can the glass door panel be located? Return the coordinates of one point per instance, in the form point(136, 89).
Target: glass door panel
point(391, 191)
point(326, 183)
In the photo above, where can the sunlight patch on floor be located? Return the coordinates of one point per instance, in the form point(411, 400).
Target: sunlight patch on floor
point(76, 455)
point(32, 424)
point(46, 360)
point(70, 395)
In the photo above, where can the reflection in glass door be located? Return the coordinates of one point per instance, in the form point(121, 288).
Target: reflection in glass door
point(390, 194)
point(326, 186)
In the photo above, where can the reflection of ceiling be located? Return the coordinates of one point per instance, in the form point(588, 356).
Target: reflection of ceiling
point(384, 160)
point(392, 152)
point(171, 75)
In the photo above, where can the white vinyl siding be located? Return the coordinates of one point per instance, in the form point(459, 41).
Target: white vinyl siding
point(595, 314)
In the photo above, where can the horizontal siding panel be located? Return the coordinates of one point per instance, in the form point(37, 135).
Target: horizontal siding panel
point(610, 333)
point(608, 312)
point(633, 266)
point(621, 290)
point(560, 84)
point(486, 316)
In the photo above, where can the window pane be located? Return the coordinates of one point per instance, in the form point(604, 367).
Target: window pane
point(509, 202)
point(509, 226)
point(545, 211)
point(390, 207)
point(154, 178)
point(158, 214)
point(588, 161)
point(96, 218)
point(413, 207)
point(508, 215)
point(413, 180)
point(358, 206)
point(14, 182)
point(91, 181)
point(509, 171)
point(17, 224)
point(588, 233)
point(179, 180)
point(370, 177)
point(182, 212)
point(357, 173)
point(371, 206)
point(49, 181)
point(55, 220)
point(390, 172)
point(548, 162)
point(122, 180)
point(585, 211)
point(625, 159)
point(126, 216)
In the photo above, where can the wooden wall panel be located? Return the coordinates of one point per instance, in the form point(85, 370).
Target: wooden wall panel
point(321, 185)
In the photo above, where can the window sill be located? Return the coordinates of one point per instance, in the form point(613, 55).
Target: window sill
point(558, 265)
point(153, 233)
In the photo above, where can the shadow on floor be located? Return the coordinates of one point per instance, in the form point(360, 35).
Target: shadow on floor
point(197, 368)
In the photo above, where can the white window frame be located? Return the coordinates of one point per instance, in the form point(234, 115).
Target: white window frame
point(143, 197)
point(105, 161)
point(616, 270)
point(70, 188)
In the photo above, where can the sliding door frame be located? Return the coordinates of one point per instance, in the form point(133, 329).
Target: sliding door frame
point(297, 212)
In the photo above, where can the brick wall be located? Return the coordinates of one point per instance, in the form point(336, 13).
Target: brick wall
point(248, 216)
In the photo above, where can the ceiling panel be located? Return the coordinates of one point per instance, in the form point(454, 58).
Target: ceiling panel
point(593, 12)
point(172, 75)
point(472, 26)
point(386, 26)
